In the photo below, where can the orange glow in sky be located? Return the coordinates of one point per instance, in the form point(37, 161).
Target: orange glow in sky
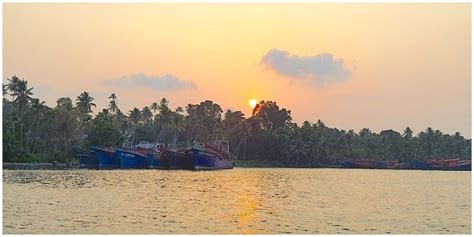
point(380, 66)
point(253, 103)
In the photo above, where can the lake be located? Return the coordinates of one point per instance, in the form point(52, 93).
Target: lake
point(238, 201)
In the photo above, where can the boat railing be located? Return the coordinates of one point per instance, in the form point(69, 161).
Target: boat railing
point(223, 146)
point(173, 147)
point(198, 145)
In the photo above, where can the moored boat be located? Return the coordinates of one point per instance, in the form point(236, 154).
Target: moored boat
point(87, 159)
point(373, 164)
point(145, 147)
point(449, 164)
point(464, 167)
point(154, 160)
point(131, 159)
point(211, 157)
point(106, 158)
point(174, 160)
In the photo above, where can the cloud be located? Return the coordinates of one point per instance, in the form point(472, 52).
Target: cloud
point(166, 82)
point(320, 69)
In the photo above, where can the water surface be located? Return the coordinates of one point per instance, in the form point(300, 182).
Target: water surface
point(238, 201)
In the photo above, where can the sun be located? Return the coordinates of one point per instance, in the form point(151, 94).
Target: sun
point(253, 103)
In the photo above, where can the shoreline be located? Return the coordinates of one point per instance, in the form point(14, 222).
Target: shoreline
point(239, 164)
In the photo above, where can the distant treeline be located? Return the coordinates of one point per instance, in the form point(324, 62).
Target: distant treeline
point(33, 132)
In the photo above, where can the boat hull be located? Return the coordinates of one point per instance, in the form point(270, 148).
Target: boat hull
point(106, 159)
point(177, 160)
point(130, 159)
point(154, 160)
point(369, 164)
point(87, 159)
point(464, 167)
point(203, 160)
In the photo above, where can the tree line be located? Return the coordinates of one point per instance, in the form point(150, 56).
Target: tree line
point(35, 132)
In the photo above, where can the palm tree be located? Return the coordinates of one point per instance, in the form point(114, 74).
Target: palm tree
point(84, 103)
point(20, 90)
point(38, 109)
point(164, 103)
point(147, 115)
point(13, 85)
point(113, 107)
point(177, 123)
point(164, 117)
point(135, 117)
point(154, 107)
point(408, 133)
point(84, 107)
point(5, 89)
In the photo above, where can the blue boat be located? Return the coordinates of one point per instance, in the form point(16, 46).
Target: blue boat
point(175, 160)
point(106, 158)
point(154, 160)
point(211, 157)
point(87, 159)
point(204, 160)
point(130, 159)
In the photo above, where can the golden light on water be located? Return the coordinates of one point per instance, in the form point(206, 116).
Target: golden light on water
point(253, 103)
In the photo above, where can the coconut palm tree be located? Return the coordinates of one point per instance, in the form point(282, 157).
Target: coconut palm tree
point(20, 93)
point(147, 115)
point(135, 117)
point(163, 118)
point(113, 107)
point(84, 108)
point(154, 107)
point(84, 103)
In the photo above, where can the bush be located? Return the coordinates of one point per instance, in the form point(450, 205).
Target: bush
point(37, 158)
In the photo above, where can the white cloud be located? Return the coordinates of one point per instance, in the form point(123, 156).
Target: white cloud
point(167, 82)
point(321, 69)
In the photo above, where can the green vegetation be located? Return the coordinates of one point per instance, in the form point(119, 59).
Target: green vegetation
point(33, 132)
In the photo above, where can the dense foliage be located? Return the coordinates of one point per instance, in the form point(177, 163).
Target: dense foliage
point(33, 131)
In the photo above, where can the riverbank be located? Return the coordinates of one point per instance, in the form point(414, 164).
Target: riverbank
point(274, 164)
point(39, 166)
point(237, 164)
point(258, 164)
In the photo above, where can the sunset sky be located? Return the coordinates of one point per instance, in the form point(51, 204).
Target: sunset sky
point(378, 66)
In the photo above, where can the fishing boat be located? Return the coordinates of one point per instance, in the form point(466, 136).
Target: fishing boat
point(449, 164)
point(373, 164)
point(211, 157)
point(87, 159)
point(175, 160)
point(145, 146)
point(153, 160)
point(106, 158)
point(132, 159)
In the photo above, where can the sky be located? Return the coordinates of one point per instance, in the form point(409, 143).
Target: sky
point(377, 66)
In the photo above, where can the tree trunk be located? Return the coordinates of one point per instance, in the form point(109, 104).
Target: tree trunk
point(245, 147)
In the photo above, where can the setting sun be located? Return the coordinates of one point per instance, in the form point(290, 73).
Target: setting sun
point(253, 103)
